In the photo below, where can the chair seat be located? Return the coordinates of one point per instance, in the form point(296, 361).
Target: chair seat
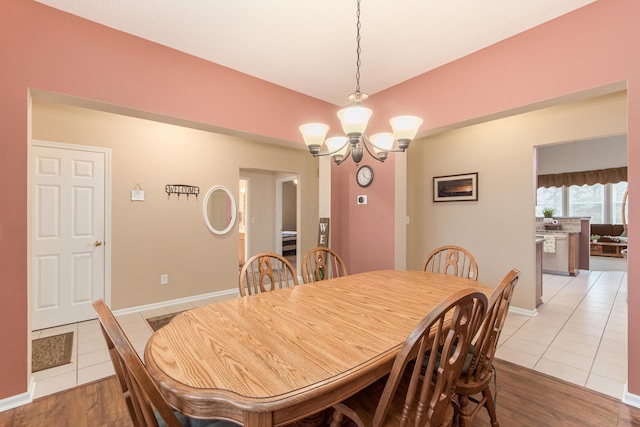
point(361, 407)
point(472, 388)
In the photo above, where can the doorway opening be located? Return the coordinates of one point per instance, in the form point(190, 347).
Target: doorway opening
point(287, 219)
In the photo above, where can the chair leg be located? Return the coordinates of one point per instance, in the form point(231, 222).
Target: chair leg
point(463, 413)
point(340, 410)
point(336, 419)
point(489, 403)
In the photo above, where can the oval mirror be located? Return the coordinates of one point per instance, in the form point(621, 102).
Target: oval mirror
point(219, 209)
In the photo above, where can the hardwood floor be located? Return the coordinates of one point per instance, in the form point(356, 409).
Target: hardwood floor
point(99, 403)
point(525, 398)
point(528, 398)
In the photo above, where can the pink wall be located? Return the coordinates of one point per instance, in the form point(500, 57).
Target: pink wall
point(44, 48)
point(592, 47)
point(366, 236)
point(50, 50)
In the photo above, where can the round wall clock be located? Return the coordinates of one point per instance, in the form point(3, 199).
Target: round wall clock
point(364, 176)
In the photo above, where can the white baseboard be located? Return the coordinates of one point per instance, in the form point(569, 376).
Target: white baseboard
point(630, 398)
point(18, 399)
point(234, 292)
point(518, 310)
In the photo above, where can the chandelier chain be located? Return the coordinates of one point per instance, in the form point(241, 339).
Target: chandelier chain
point(358, 49)
point(354, 121)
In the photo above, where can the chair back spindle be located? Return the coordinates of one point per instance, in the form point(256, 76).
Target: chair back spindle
point(452, 260)
point(264, 272)
point(140, 393)
point(411, 394)
point(476, 378)
point(322, 263)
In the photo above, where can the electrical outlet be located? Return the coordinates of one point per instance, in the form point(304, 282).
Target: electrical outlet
point(362, 200)
point(164, 279)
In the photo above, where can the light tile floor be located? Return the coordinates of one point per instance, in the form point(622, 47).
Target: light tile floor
point(90, 358)
point(579, 335)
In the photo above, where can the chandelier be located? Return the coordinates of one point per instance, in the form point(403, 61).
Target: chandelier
point(354, 120)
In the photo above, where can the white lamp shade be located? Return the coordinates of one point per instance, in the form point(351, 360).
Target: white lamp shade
point(354, 119)
point(405, 127)
point(335, 143)
point(343, 151)
point(382, 141)
point(314, 133)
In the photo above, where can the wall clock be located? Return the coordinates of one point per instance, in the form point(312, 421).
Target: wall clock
point(364, 176)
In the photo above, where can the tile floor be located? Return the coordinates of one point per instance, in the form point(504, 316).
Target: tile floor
point(90, 358)
point(579, 335)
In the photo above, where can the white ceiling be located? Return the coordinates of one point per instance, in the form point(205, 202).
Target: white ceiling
point(309, 46)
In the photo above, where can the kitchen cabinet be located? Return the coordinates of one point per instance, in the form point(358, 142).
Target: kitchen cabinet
point(565, 256)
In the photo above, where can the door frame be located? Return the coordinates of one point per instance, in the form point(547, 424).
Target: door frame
point(107, 211)
point(245, 213)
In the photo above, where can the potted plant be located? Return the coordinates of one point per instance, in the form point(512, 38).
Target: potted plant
point(548, 215)
point(595, 237)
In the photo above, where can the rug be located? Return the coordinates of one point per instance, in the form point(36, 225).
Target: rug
point(159, 321)
point(49, 352)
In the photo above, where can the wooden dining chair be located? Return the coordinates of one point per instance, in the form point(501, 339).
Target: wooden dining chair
point(477, 377)
point(264, 272)
point(146, 405)
point(322, 263)
point(452, 260)
point(410, 394)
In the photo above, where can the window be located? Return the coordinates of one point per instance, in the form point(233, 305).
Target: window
point(601, 202)
point(617, 194)
point(549, 198)
point(587, 200)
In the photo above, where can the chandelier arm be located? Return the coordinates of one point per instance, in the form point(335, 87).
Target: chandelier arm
point(318, 153)
point(372, 153)
point(391, 150)
point(336, 158)
point(321, 154)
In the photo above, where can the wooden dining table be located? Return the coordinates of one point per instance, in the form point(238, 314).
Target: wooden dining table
point(281, 356)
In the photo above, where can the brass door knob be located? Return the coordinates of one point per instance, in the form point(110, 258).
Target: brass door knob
point(97, 243)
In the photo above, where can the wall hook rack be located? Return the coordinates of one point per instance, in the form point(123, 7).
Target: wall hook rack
point(189, 190)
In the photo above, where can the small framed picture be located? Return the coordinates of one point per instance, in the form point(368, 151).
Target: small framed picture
point(455, 188)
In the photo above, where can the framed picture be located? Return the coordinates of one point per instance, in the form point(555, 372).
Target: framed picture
point(455, 188)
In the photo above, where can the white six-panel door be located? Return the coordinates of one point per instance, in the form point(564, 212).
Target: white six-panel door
point(67, 233)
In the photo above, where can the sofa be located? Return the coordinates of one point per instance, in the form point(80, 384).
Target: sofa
point(603, 230)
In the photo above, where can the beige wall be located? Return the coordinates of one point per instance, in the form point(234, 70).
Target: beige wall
point(167, 235)
point(499, 228)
